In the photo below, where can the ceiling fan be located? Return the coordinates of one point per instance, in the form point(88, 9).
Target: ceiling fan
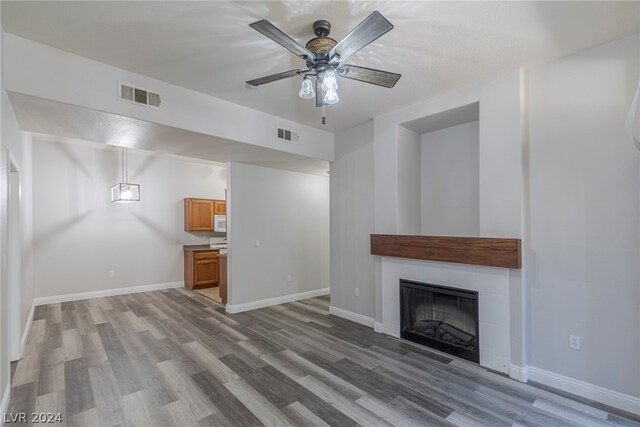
point(325, 58)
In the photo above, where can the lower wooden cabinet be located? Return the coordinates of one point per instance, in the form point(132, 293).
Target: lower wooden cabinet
point(201, 269)
point(223, 279)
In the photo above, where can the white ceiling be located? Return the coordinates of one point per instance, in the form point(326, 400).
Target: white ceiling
point(209, 47)
point(66, 121)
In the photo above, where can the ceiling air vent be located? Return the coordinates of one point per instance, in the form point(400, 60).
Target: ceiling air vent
point(139, 96)
point(287, 135)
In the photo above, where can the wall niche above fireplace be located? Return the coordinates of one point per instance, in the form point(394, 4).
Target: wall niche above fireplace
point(439, 173)
point(440, 317)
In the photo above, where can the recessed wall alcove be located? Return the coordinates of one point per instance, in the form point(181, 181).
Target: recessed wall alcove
point(438, 173)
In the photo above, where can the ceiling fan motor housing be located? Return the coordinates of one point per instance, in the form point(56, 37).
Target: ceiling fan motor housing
point(321, 45)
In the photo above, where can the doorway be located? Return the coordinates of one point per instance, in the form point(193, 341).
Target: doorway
point(14, 257)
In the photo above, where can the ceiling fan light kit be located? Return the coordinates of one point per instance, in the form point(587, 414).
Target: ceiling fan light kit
point(324, 58)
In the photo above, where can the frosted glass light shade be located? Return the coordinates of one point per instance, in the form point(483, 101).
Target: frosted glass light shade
point(329, 82)
point(306, 90)
point(331, 97)
point(125, 193)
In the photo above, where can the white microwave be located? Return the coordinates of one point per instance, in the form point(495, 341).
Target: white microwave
point(220, 223)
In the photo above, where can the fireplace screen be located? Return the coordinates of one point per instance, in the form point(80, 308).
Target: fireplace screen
point(439, 317)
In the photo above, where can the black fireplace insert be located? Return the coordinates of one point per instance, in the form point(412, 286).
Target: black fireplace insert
point(440, 317)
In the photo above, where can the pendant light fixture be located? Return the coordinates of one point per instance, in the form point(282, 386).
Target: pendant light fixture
point(125, 192)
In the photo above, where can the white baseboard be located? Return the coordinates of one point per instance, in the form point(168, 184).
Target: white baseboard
point(519, 373)
point(238, 308)
point(6, 398)
point(27, 328)
point(378, 327)
point(590, 391)
point(350, 315)
point(106, 293)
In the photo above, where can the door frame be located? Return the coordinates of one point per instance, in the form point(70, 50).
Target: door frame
point(14, 239)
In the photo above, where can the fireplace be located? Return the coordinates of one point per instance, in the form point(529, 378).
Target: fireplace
point(439, 317)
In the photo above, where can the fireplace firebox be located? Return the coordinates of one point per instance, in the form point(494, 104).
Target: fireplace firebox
point(440, 317)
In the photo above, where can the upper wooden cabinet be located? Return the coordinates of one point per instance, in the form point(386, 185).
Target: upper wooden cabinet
point(198, 213)
point(219, 207)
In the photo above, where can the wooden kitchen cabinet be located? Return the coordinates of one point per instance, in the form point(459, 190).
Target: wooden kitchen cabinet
point(219, 207)
point(222, 284)
point(198, 214)
point(201, 269)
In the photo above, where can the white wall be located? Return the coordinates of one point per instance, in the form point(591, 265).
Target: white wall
point(279, 226)
point(584, 217)
point(11, 140)
point(352, 221)
point(79, 234)
point(42, 71)
point(449, 181)
point(408, 181)
point(26, 222)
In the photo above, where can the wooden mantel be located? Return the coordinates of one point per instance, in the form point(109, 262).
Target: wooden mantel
point(488, 251)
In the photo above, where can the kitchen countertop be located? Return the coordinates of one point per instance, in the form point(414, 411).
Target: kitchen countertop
point(198, 248)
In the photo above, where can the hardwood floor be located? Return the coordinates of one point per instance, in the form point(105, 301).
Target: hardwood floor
point(173, 358)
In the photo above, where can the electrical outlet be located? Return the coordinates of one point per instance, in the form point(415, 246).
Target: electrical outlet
point(257, 242)
point(357, 292)
point(112, 273)
point(574, 342)
point(288, 277)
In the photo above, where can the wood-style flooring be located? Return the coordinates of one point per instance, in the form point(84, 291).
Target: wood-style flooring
point(211, 293)
point(173, 358)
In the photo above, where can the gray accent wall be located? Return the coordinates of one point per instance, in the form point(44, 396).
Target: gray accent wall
point(352, 221)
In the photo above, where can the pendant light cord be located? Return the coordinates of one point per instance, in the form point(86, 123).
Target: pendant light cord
point(124, 165)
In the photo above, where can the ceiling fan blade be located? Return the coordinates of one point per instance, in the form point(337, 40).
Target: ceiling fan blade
point(372, 27)
point(274, 33)
point(274, 77)
point(369, 75)
point(319, 94)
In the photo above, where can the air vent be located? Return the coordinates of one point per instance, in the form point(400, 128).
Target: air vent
point(287, 135)
point(126, 93)
point(154, 100)
point(138, 96)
